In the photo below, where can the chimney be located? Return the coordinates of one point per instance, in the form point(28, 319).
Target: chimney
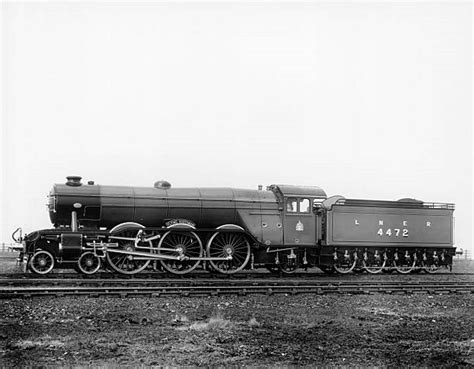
point(74, 181)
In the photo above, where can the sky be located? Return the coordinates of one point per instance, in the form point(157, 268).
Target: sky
point(364, 99)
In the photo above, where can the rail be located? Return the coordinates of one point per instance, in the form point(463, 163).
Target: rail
point(130, 288)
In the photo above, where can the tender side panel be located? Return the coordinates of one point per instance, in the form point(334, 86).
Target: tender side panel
point(371, 226)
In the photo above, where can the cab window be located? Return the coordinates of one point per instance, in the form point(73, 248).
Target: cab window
point(295, 205)
point(304, 206)
point(291, 205)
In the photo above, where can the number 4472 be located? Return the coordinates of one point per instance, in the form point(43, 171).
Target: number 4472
point(396, 232)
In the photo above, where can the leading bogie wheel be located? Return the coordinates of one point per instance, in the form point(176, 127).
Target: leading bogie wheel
point(128, 241)
point(182, 245)
point(231, 245)
point(89, 263)
point(42, 262)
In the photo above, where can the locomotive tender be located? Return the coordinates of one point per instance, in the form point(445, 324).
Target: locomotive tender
point(283, 228)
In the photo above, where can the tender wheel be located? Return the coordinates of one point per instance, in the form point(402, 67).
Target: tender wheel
point(374, 268)
point(42, 262)
point(405, 264)
point(328, 269)
point(182, 244)
point(430, 263)
point(224, 244)
point(128, 240)
point(89, 263)
point(344, 262)
point(345, 267)
point(374, 263)
point(431, 269)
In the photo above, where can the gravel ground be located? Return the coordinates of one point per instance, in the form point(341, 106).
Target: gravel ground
point(304, 330)
point(354, 330)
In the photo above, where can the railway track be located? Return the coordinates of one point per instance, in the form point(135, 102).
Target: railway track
point(14, 288)
point(207, 275)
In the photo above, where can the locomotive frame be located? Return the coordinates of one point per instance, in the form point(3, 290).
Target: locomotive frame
point(130, 229)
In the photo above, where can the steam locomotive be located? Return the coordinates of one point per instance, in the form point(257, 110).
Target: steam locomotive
point(283, 228)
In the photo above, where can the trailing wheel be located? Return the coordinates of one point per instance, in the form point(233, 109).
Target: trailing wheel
point(89, 263)
point(231, 245)
point(272, 268)
point(181, 245)
point(42, 262)
point(128, 241)
point(288, 262)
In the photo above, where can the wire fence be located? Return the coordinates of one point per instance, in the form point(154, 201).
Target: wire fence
point(10, 247)
point(466, 255)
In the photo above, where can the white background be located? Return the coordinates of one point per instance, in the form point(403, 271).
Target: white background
point(367, 100)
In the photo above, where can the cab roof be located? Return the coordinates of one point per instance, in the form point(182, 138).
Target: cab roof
point(300, 191)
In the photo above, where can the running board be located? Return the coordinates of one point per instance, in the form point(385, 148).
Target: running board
point(147, 256)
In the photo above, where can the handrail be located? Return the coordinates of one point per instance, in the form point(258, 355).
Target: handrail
point(395, 204)
point(19, 238)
